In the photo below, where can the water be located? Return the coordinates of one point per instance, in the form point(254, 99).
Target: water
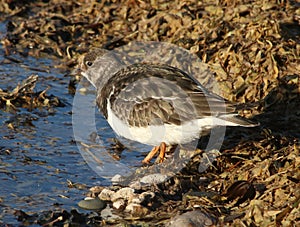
point(39, 156)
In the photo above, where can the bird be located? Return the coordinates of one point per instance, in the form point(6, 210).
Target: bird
point(155, 104)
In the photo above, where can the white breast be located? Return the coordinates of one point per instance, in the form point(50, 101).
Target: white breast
point(170, 134)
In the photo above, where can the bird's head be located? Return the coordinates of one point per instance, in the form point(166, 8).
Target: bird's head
point(98, 66)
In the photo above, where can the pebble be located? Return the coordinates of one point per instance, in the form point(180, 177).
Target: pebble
point(94, 191)
point(117, 179)
point(92, 204)
point(136, 209)
point(155, 178)
point(124, 193)
point(106, 194)
point(135, 185)
point(119, 204)
point(108, 215)
point(195, 218)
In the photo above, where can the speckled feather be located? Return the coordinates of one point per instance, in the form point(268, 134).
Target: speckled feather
point(147, 94)
point(144, 94)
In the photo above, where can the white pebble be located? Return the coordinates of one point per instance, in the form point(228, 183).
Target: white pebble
point(119, 204)
point(106, 194)
point(123, 193)
point(155, 178)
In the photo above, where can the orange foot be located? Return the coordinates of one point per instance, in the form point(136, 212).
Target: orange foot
point(162, 151)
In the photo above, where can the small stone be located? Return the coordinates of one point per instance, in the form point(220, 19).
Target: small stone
point(94, 191)
point(155, 178)
point(119, 204)
point(136, 209)
point(137, 200)
point(145, 196)
point(135, 185)
point(116, 179)
point(195, 218)
point(108, 215)
point(123, 193)
point(92, 204)
point(106, 194)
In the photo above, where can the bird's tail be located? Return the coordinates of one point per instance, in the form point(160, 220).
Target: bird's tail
point(236, 120)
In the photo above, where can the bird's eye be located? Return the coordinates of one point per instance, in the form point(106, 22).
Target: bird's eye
point(89, 63)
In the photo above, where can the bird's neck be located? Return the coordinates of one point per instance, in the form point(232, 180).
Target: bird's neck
point(109, 67)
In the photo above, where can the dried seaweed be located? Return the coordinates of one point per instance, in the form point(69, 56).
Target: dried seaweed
point(253, 48)
point(24, 96)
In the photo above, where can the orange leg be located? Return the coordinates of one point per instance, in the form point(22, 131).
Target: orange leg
point(162, 150)
point(150, 155)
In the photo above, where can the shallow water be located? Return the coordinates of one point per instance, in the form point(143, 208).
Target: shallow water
point(40, 155)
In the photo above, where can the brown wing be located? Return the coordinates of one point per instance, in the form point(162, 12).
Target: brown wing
point(146, 94)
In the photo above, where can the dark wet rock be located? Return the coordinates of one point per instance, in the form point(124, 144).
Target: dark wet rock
point(92, 204)
point(57, 218)
point(194, 218)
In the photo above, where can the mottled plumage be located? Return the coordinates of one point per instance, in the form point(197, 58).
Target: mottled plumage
point(142, 100)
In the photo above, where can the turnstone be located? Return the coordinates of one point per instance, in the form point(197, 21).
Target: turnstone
point(155, 104)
